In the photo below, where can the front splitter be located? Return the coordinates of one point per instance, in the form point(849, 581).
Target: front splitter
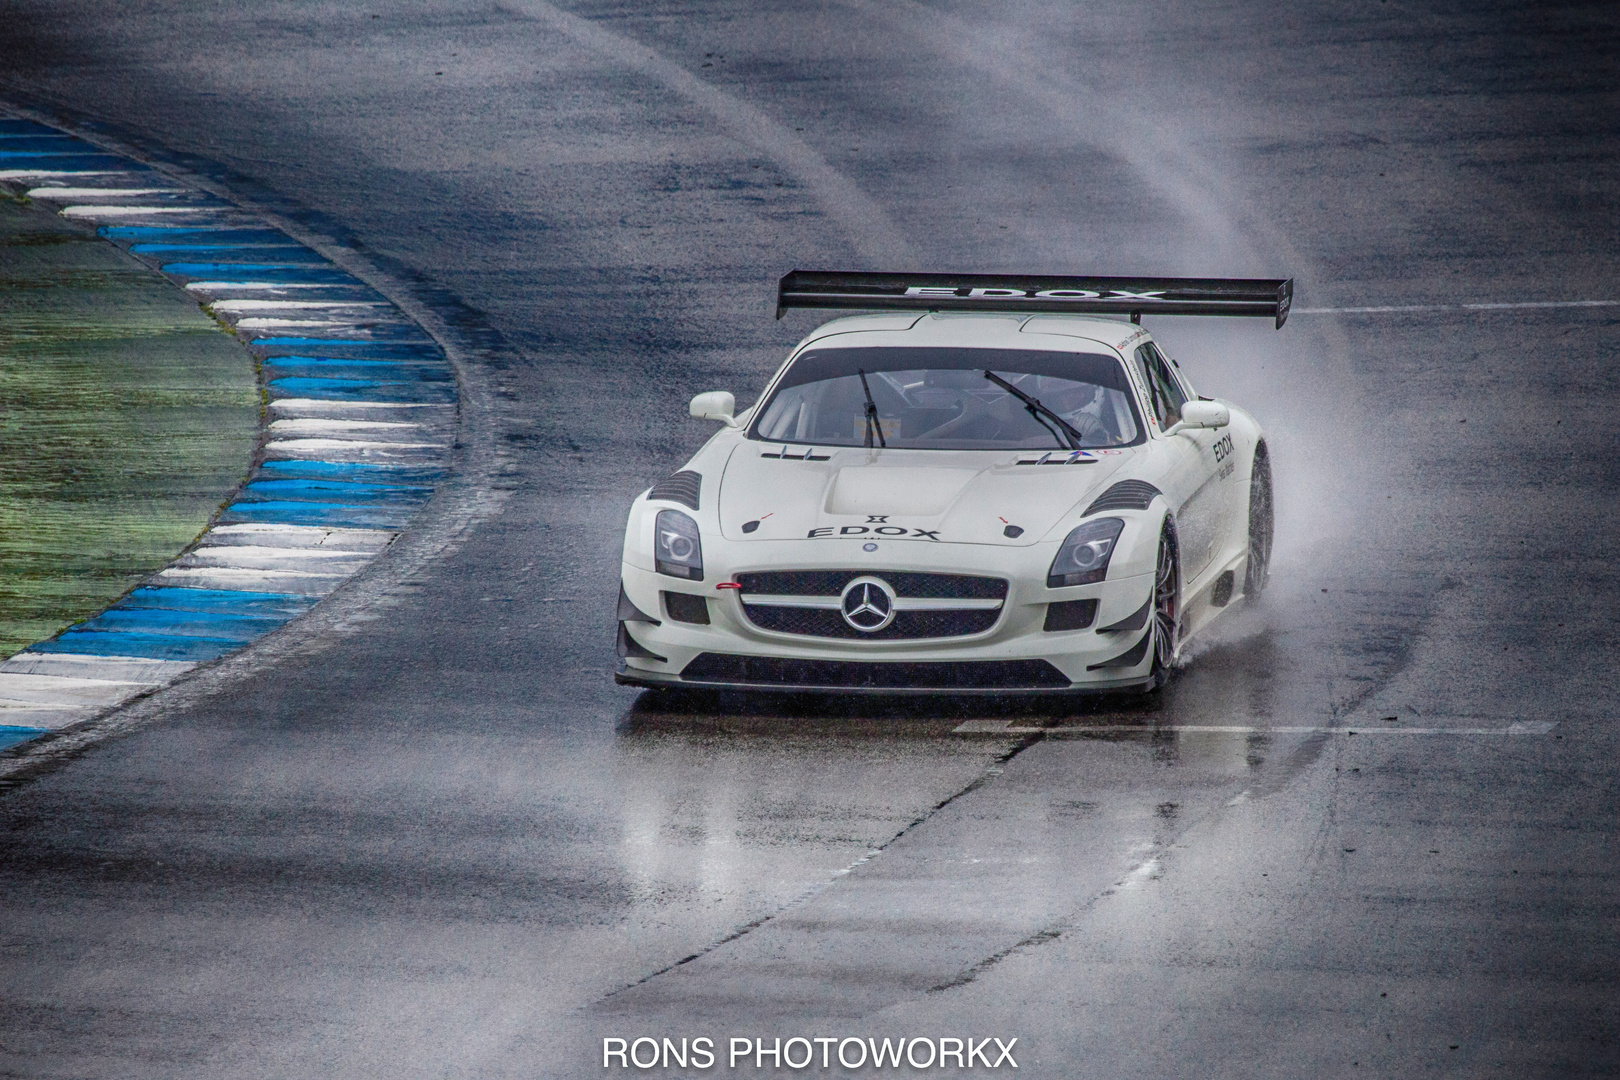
point(651, 681)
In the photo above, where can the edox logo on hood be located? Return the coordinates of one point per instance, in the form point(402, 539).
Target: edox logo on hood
point(919, 496)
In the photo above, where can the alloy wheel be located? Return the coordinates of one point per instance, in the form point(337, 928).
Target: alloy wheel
point(1261, 526)
point(1166, 601)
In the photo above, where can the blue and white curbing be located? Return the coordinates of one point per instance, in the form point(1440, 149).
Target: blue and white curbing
point(361, 418)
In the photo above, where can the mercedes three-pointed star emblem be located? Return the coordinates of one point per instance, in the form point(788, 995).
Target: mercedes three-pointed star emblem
point(868, 604)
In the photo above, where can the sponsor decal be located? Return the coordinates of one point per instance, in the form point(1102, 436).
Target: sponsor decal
point(893, 532)
point(1226, 452)
point(1029, 294)
point(1075, 457)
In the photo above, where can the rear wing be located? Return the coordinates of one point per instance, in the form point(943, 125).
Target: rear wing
point(1013, 292)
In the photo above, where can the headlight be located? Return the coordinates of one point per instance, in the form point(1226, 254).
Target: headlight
point(677, 551)
point(1083, 558)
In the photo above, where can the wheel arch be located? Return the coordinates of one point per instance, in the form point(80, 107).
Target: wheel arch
point(1140, 557)
point(1247, 434)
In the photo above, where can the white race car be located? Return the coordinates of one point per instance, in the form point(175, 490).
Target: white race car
point(983, 488)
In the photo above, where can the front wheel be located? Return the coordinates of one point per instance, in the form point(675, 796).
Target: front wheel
point(1166, 603)
point(1260, 526)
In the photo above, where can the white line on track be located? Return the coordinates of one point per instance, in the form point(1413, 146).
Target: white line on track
point(135, 211)
point(275, 534)
point(342, 446)
point(35, 174)
point(334, 425)
point(1006, 727)
point(259, 557)
point(231, 306)
point(308, 324)
point(134, 669)
point(30, 691)
point(257, 286)
point(1141, 874)
point(97, 193)
point(321, 405)
point(1405, 309)
point(257, 574)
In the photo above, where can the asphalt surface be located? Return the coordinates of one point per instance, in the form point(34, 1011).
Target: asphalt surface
point(432, 838)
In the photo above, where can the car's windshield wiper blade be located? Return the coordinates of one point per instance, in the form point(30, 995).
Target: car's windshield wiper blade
point(871, 414)
point(1071, 434)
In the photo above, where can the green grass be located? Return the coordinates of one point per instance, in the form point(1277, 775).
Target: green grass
point(126, 418)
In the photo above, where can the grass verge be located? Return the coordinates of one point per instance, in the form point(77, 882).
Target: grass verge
point(126, 418)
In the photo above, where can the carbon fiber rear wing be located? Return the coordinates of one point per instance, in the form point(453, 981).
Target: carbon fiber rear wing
point(1074, 295)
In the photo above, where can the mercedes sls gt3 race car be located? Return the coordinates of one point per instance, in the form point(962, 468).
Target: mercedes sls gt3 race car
point(983, 487)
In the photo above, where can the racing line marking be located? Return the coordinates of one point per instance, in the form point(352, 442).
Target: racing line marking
point(1403, 309)
point(1006, 727)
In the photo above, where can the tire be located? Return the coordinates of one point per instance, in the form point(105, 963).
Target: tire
point(1166, 604)
point(1261, 527)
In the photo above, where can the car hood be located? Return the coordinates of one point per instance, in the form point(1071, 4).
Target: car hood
point(772, 492)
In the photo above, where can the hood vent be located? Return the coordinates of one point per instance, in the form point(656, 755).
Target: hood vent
point(683, 487)
point(1058, 457)
point(808, 455)
point(1125, 495)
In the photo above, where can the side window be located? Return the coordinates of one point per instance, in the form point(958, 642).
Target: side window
point(1164, 391)
point(1180, 376)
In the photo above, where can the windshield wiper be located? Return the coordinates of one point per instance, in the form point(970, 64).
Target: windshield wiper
point(1071, 435)
point(871, 414)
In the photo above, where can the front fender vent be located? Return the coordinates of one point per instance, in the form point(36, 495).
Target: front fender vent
point(1125, 495)
point(683, 487)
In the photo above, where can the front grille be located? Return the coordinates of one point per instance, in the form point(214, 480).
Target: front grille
point(860, 675)
point(904, 583)
point(820, 622)
point(828, 622)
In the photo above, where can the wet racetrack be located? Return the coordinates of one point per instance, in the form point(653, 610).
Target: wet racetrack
point(426, 835)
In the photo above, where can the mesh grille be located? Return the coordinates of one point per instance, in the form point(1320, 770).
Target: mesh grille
point(1125, 495)
point(1070, 614)
point(683, 487)
point(832, 582)
point(854, 674)
point(686, 608)
point(815, 622)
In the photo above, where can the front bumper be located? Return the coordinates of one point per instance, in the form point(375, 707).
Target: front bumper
point(1016, 655)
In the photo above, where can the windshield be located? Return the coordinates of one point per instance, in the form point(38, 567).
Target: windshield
point(940, 399)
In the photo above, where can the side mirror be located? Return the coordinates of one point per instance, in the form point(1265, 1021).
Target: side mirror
point(715, 405)
point(1203, 414)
